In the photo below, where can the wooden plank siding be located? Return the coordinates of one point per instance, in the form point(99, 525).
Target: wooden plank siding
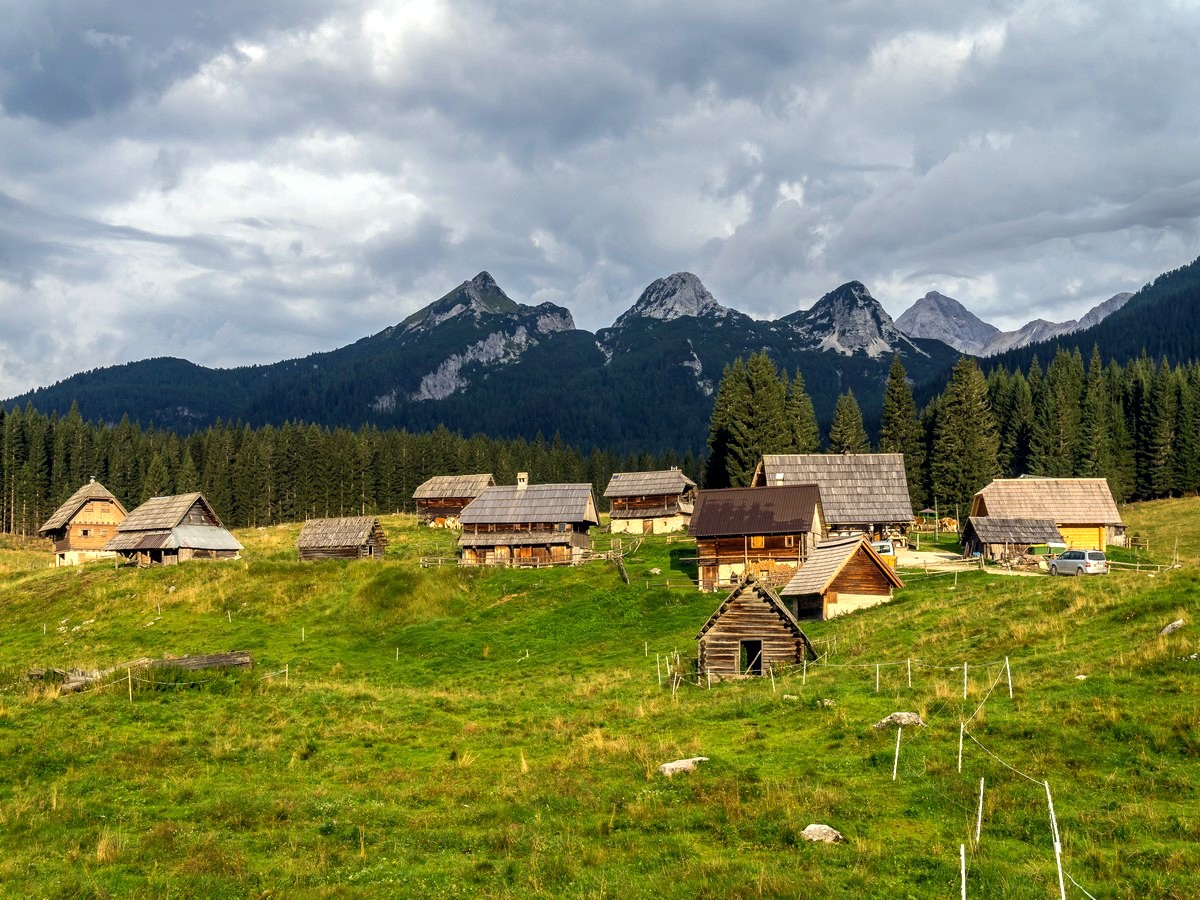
point(751, 633)
point(724, 561)
point(442, 511)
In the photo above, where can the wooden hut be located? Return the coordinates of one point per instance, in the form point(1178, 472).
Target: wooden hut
point(861, 493)
point(996, 538)
point(442, 498)
point(650, 502)
point(81, 527)
point(841, 576)
point(168, 530)
point(1082, 509)
point(353, 537)
point(760, 532)
point(751, 632)
point(528, 525)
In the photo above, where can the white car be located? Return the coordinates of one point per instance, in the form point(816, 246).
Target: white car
point(1080, 562)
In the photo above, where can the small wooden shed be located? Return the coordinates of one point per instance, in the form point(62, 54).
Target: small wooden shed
point(1082, 509)
point(168, 530)
point(81, 527)
point(839, 577)
point(352, 537)
point(751, 633)
point(996, 538)
point(650, 502)
point(442, 498)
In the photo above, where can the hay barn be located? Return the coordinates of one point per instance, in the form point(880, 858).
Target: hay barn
point(995, 538)
point(528, 525)
point(441, 499)
point(751, 632)
point(169, 530)
point(650, 502)
point(1082, 509)
point(81, 527)
point(353, 537)
point(839, 577)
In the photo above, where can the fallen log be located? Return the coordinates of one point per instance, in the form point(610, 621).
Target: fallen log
point(78, 679)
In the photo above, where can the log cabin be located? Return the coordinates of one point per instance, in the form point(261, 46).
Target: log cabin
point(352, 537)
point(81, 527)
point(765, 533)
point(997, 539)
point(442, 498)
point(840, 576)
point(169, 530)
point(861, 493)
point(751, 633)
point(650, 502)
point(1082, 509)
point(528, 525)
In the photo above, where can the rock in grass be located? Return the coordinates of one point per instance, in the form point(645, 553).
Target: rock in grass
point(826, 704)
point(681, 765)
point(899, 718)
point(822, 834)
point(1174, 626)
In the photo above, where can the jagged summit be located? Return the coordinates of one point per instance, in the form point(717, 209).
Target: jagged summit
point(674, 297)
point(944, 319)
point(848, 320)
point(476, 297)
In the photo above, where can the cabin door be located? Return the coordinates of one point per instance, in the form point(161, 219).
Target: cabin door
point(647, 526)
point(751, 658)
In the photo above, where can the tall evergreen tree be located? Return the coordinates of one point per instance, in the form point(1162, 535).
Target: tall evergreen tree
point(900, 429)
point(846, 432)
point(965, 442)
point(801, 417)
point(157, 480)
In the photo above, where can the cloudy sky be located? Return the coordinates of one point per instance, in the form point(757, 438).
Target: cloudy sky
point(244, 182)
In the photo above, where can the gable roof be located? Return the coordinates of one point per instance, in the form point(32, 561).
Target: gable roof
point(446, 486)
point(165, 512)
point(997, 530)
point(93, 490)
point(737, 511)
point(826, 562)
point(548, 503)
point(768, 596)
point(641, 484)
point(856, 488)
point(351, 531)
point(1066, 501)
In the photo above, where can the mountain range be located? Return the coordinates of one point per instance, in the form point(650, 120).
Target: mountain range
point(477, 361)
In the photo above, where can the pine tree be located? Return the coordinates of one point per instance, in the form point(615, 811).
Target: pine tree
point(733, 395)
point(801, 417)
point(965, 442)
point(1095, 457)
point(157, 479)
point(847, 433)
point(760, 426)
point(900, 429)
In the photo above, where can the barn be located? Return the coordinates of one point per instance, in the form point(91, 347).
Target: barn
point(996, 538)
point(839, 577)
point(352, 537)
point(751, 632)
point(169, 530)
point(1082, 509)
point(650, 502)
point(528, 525)
point(442, 498)
point(81, 527)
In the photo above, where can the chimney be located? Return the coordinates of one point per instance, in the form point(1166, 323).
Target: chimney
point(779, 478)
point(522, 480)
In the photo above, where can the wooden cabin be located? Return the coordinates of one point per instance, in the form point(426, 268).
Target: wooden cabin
point(650, 502)
point(997, 539)
point(764, 533)
point(751, 633)
point(839, 577)
point(528, 525)
point(861, 493)
point(353, 537)
point(1082, 509)
point(442, 498)
point(81, 527)
point(168, 530)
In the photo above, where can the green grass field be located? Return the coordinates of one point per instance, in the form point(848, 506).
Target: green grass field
point(456, 733)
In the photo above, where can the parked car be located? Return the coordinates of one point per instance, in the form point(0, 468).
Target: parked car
point(1080, 562)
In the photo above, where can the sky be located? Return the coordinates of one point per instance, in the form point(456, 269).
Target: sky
point(238, 183)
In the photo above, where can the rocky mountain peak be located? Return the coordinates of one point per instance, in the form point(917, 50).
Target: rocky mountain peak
point(476, 298)
point(848, 320)
point(674, 297)
point(944, 319)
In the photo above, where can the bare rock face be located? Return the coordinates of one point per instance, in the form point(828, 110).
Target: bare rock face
point(899, 718)
point(681, 765)
point(1173, 627)
point(822, 834)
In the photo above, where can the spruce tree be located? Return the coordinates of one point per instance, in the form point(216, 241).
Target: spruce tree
point(846, 432)
point(965, 443)
point(157, 480)
point(760, 425)
point(900, 429)
point(801, 417)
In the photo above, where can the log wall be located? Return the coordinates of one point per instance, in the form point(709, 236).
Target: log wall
point(748, 617)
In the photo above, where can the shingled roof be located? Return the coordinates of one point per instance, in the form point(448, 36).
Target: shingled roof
point(163, 523)
point(827, 560)
point(165, 512)
point(534, 503)
point(93, 490)
point(737, 511)
point(856, 488)
point(351, 531)
point(997, 530)
point(443, 486)
point(1065, 501)
point(648, 484)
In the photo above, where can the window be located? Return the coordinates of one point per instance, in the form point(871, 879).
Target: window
point(757, 541)
point(789, 540)
point(84, 532)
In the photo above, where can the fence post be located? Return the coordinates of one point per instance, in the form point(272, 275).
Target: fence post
point(964, 681)
point(1062, 888)
point(961, 730)
point(877, 678)
point(909, 672)
point(1008, 671)
point(285, 672)
point(979, 818)
point(962, 864)
point(896, 761)
point(129, 675)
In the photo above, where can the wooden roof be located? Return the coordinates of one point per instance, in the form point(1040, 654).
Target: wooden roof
point(826, 562)
point(738, 511)
point(159, 513)
point(856, 488)
point(643, 484)
point(769, 597)
point(549, 503)
point(351, 531)
point(445, 486)
point(194, 537)
point(93, 490)
point(1065, 501)
point(997, 530)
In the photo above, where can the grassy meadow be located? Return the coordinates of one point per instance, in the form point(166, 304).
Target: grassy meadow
point(446, 732)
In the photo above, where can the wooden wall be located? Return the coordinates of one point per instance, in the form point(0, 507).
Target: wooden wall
point(723, 561)
point(748, 617)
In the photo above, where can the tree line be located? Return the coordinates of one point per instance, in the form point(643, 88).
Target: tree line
point(261, 476)
point(1137, 425)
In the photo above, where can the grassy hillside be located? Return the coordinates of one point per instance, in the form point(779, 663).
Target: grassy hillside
point(453, 733)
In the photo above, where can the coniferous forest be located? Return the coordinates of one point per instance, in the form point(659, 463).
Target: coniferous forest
point(1137, 425)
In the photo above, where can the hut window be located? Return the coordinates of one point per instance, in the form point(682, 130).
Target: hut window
point(84, 532)
point(789, 540)
point(751, 658)
point(757, 540)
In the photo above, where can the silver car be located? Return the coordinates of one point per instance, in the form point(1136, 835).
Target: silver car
point(1080, 562)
